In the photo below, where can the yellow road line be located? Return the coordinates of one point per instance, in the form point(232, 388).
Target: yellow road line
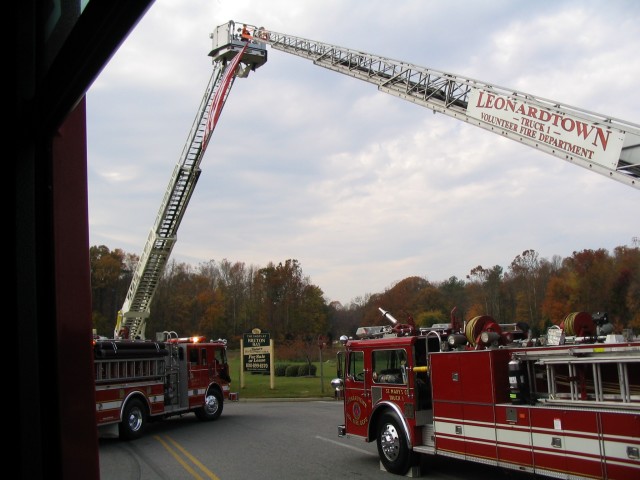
point(185, 465)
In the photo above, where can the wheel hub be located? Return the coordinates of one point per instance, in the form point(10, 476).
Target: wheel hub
point(211, 404)
point(135, 420)
point(390, 442)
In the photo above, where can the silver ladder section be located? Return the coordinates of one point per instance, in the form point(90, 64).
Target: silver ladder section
point(453, 95)
point(608, 379)
point(163, 235)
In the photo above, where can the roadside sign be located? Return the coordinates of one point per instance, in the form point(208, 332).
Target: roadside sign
point(256, 351)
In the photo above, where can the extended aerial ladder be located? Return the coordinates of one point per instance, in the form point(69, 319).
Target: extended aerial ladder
point(232, 57)
point(603, 144)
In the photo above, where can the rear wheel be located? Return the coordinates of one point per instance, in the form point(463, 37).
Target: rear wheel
point(212, 408)
point(134, 420)
point(393, 447)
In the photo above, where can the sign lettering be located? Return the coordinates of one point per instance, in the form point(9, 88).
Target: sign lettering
point(573, 135)
point(257, 353)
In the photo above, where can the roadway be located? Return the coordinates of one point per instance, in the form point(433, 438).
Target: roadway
point(279, 440)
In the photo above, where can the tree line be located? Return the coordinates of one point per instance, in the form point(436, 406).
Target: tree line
point(224, 299)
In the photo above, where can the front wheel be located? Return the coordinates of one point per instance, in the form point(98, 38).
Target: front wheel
point(393, 448)
point(134, 420)
point(212, 408)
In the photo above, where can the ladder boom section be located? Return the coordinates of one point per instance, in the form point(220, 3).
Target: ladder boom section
point(132, 318)
point(163, 234)
point(603, 144)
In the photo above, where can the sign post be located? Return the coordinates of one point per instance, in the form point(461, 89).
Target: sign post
point(257, 353)
point(321, 343)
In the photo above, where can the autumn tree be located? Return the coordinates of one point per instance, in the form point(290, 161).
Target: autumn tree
point(346, 320)
point(402, 299)
point(454, 295)
point(313, 312)
point(172, 307)
point(429, 306)
point(625, 301)
point(554, 305)
point(225, 299)
point(485, 286)
point(594, 281)
point(111, 273)
point(633, 303)
point(529, 275)
point(592, 274)
point(290, 304)
point(235, 282)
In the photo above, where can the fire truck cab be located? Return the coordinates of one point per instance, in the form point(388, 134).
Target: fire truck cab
point(563, 409)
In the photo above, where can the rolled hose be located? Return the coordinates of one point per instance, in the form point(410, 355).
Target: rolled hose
point(579, 324)
point(479, 324)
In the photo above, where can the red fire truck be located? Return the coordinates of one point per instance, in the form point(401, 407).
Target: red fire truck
point(141, 380)
point(566, 405)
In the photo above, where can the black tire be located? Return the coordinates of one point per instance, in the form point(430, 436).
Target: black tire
point(212, 408)
point(393, 448)
point(134, 420)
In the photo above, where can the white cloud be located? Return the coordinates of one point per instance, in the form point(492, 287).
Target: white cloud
point(360, 187)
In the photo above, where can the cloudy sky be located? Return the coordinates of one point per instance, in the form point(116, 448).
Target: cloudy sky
point(362, 188)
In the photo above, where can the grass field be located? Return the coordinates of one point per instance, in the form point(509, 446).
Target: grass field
point(259, 385)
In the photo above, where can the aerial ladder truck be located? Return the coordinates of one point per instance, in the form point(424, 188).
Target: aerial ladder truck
point(605, 145)
point(565, 405)
point(139, 379)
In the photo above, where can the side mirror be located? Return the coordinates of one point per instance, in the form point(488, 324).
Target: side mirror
point(337, 384)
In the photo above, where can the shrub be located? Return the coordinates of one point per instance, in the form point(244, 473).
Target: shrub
point(307, 370)
point(280, 369)
point(291, 371)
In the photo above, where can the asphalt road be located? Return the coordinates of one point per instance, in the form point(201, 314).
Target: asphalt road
point(267, 440)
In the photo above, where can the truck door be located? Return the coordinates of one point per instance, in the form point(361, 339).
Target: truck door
point(357, 400)
point(198, 373)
